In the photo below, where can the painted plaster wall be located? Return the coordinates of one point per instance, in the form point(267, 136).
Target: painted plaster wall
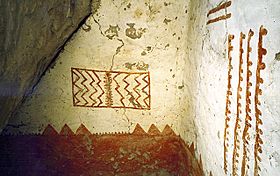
point(188, 64)
point(105, 42)
point(207, 75)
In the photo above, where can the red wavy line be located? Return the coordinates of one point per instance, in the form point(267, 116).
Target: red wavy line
point(117, 89)
point(74, 82)
point(127, 85)
point(139, 95)
point(99, 81)
point(95, 90)
point(80, 89)
point(85, 87)
point(143, 90)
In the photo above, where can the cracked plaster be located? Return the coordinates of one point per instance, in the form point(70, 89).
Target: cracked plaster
point(188, 76)
point(113, 39)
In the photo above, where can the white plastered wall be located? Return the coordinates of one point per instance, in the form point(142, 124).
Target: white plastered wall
point(207, 58)
point(188, 67)
point(160, 47)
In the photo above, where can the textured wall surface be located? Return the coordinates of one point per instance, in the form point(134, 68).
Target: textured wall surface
point(31, 33)
point(185, 52)
point(208, 78)
point(123, 37)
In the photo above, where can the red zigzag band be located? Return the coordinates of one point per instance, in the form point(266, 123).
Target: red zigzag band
point(89, 86)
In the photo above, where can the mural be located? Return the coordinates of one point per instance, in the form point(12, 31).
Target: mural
point(217, 9)
point(240, 152)
point(111, 89)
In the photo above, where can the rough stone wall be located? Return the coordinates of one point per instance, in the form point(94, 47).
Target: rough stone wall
point(31, 34)
point(122, 37)
point(207, 58)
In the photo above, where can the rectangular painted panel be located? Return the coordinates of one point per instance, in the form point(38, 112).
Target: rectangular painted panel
point(110, 89)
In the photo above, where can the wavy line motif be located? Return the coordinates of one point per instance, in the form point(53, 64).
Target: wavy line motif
point(76, 80)
point(117, 89)
point(143, 90)
point(135, 89)
point(127, 84)
point(79, 88)
point(95, 90)
point(87, 89)
point(98, 84)
point(86, 93)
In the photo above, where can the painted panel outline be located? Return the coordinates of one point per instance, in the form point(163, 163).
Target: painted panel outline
point(101, 81)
